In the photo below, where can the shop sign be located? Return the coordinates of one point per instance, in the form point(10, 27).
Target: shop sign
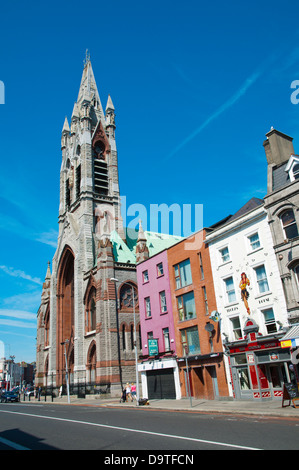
point(153, 347)
point(273, 357)
point(250, 358)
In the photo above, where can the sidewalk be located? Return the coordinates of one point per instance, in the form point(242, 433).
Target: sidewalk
point(265, 408)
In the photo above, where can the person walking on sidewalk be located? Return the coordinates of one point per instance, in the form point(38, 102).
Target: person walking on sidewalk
point(133, 392)
point(128, 392)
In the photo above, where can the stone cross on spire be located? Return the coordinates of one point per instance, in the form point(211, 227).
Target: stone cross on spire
point(87, 57)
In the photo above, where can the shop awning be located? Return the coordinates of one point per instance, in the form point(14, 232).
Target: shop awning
point(291, 338)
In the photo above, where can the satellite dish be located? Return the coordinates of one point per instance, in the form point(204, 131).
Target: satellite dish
point(209, 327)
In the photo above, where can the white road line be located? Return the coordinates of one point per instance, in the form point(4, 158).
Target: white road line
point(132, 430)
point(14, 445)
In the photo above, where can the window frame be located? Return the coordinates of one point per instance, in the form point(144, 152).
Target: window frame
point(181, 267)
point(223, 256)
point(181, 306)
point(227, 293)
point(235, 329)
point(250, 243)
point(163, 294)
point(259, 282)
point(186, 340)
point(148, 311)
point(286, 226)
point(269, 322)
point(160, 272)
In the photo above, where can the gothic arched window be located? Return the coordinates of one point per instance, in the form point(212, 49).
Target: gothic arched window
point(126, 296)
point(47, 327)
point(90, 312)
point(289, 224)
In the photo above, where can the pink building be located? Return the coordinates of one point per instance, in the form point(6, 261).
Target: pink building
point(158, 367)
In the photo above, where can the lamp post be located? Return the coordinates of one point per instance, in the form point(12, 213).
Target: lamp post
point(113, 279)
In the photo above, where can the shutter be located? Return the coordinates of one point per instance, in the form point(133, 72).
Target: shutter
point(160, 384)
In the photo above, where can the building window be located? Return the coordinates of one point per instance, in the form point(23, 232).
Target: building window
point(91, 311)
point(190, 341)
point(182, 273)
point(224, 253)
point(230, 289)
point(145, 276)
point(78, 180)
point(262, 280)
point(236, 327)
point(204, 292)
point(166, 339)
point(160, 271)
point(296, 171)
point(100, 170)
point(150, 335)
point(269, 320)
point(296, 271)
point(254, 241)
point(201, 266)
point(123, 331)
point(148, 313)
point(47, 327)
point(186, 306)
point(127, 301)
point(289, 224)
point(67, 194)
point(163, 305)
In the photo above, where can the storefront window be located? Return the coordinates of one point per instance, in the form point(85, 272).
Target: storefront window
point(240, 359)
point(244, 378)
point(275, 378)
point(262, 376)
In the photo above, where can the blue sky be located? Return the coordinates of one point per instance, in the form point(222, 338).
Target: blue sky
point(196, 86)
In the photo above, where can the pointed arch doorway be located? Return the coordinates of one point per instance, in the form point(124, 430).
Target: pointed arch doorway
point(65, 310)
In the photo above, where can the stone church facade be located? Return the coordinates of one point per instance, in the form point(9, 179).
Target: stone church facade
point(87, 306)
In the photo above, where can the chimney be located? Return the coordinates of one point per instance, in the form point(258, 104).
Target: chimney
point(278, 147)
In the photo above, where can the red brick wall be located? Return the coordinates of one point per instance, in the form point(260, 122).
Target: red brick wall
point(200, 369)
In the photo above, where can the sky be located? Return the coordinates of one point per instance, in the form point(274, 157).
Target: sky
point(195, 85)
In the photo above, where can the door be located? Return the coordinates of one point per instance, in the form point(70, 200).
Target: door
point(160, 384)
point(242, 383)
point(212, 372)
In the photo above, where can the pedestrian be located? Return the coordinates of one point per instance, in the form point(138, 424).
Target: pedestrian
point(123, 396)
point(133, 392)
point(39, 392)
point(60, 391)
point(128, 392)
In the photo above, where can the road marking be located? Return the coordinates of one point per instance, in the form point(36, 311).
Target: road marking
point(140, 431)
point(14, 445)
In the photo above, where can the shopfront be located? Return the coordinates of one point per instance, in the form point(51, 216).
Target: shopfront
point(259, 366)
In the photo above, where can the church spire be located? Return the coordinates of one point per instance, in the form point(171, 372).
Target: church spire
point(88, 91)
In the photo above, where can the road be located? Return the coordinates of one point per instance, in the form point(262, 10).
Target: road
point(64, 427)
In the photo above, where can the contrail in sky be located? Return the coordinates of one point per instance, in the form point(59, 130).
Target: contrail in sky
point(230, 102)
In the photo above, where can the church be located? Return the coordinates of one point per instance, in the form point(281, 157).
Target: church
point(88, 319)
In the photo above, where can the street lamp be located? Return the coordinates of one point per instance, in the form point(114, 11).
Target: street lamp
point(113, 279)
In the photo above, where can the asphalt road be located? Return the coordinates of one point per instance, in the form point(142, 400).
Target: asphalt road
point(64, 427)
